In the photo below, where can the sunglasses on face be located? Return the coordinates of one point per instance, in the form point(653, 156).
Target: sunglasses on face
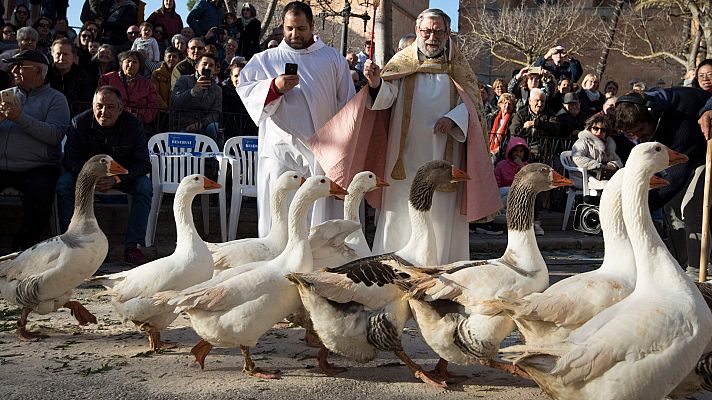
point(43, 25)
point(8, 33)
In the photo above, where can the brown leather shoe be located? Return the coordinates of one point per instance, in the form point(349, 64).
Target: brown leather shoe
point(135, 256)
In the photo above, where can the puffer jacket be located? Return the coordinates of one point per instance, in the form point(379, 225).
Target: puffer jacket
point(139, 95)
point(590, 152)
point(161, 79)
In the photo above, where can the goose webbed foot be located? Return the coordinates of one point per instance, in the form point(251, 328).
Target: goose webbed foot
point(418, 371)
point(441, 371)
point(79, 312)
point(200, 351)
point(326, 367)
point(506, 367)
point(155, 342)
point(22, 333)
point(250, 369)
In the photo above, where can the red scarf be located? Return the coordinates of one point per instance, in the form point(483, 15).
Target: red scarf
point(497, 136)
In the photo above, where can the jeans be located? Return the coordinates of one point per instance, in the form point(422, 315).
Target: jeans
point(141, 192)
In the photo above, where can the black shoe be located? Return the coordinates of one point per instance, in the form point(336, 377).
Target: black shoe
point(134, 256)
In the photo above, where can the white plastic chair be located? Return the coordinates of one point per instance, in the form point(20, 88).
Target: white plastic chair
point(175, 155)
point(241, 153)
point(571, 168)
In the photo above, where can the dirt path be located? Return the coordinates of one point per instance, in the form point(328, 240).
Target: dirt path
point(109, 361)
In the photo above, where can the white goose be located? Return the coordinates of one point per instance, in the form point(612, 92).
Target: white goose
point(355, 308)
point(42, 278)
point(236, 311)
point(446, 305)
point(552, 315)
point(337, 242)
point(243, 251)
point(644, 345)
point(189, 264)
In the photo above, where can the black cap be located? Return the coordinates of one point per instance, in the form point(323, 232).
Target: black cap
point(27, 55)
point(570, 98)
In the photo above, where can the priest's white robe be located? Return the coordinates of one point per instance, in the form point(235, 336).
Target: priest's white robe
point(287, 123)
point(431, 101)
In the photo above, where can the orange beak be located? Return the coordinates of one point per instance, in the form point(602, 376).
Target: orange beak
point(459, 175)
point(210, 184)
point(336, 190)
point(381, 183)
point(656, 182)
point(302, 181)
point(116, 169)
point(559, 180)
point(676, 158)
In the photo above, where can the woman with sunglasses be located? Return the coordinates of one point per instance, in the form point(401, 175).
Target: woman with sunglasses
point(595, 151)
point(43, 26)
point(82, 44)
point(21, 16)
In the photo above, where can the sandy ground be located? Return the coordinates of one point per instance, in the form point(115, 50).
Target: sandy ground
point(109, 360)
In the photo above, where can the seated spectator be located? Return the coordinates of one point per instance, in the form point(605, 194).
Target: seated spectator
point(133, 32)
point(556, 103)
point(703, 75)
point(180, 42)
point(526, 80)
point(137, 92)
point(162, 77)
point(249, 28)
point(535, 122)
point(32, 130)
point(196, 48)
point(148, 42)
point(66, 76)
point(205, 15)
point(61, 25)
point(561, 66)
point(103, 62)
point(406, 40)
point(570, 117)
point(148, 66)
point(159, 33)
point(9, 37)
point(92, 27)
point(168, 17)
point(498, 124)
point(595, 151)
point(273, 43)
point(610, 89)
point(27, 39)
point(198, 99)
point(121, 15)
point(591, 99)
point(43, 26)
point(81, 43)
point(187, 33)
point(231, 25)
point(229, 52)
point(21, 16)
point(238, 122)
point(108, 129)
point(94, 47)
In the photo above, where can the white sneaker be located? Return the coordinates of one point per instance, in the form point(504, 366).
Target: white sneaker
point(538, 230)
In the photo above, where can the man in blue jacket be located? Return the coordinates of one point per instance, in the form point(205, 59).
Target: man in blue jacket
point(207, 14)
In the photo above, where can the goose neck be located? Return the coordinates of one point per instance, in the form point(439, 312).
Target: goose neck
point(279, 205)
point(84, 197)
point(183, 214)
point(298, 224)
point(520, 207)
point(421, 248)
point(352, 203)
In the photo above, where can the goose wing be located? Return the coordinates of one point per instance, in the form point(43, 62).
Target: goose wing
point(39, 258)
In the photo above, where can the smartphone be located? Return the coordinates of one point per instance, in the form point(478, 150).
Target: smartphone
point(290, 69)
point(7, 96)
point(535, 70)
point(206, 73)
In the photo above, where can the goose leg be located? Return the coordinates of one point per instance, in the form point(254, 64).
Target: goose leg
point(23, 333)
point(417, 370)
point(250, 369)
point(78, 311)
point(326, 367)
point(506, 367)
point(200, 351)
point(155, 342)
point(312, 339)
point(441, 370)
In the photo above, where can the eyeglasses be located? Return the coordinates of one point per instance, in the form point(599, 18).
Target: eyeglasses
point(598, 129)
point(8, 33)
point(20, 66)
point(439, 33)
point(705, 77)
point(43, 25)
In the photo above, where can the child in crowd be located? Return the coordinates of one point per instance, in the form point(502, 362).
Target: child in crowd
point(231, 25)
point(148, 42)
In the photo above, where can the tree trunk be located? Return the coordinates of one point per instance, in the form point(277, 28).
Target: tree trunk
point(603, 61)
point(267, 20)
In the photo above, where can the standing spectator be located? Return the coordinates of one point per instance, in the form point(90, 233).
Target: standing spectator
point(231, 25)
point(108, 129)
point(66, 76)
point(122, 14)
point(180, 42)
point(527, 79)
point(81, 43)
point(96, 10)
point(363, 54)
point(570, 117)
point(561, 65)
point(168, 17)
point(137, 92)
point(187, 32)
point(54, 9)
point(407, 40)
point(43, 26)
point(9, 37)
point(198, 99)
point(591, 99)
point(103, 62)
point(148, 42)
point(249, 28)
point(205, 15)
point(595, 151)
point(32, 130)
point(92, 27)
point(499, 87)
point(556, 103)
point(610, 89)
point(196, 48)
point(229, 52)
point(236, 119)
point(61, 25)
point(610, 105)
point(21, 17)
point(499, 125)
point(162, 77)
point(321, 87)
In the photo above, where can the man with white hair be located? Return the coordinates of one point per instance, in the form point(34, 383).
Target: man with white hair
point(406, 40)
point(34, 120)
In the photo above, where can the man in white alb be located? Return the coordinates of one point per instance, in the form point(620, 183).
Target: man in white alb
point(289, 108)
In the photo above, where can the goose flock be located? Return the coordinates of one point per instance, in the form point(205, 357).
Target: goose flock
point(635, 328)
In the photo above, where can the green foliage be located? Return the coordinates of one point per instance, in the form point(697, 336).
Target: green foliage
point(191, 4)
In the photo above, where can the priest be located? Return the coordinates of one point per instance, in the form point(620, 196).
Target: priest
point(290, 102)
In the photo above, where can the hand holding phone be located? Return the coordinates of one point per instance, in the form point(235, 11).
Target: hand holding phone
point(291, 69)
point(7, 96)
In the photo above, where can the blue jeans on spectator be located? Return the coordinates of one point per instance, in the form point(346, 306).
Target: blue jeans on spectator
point(211, 130)
point(141, 192)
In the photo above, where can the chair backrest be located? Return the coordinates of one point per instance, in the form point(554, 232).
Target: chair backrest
point(567, 162)
point(244, 149)
point(179, 154)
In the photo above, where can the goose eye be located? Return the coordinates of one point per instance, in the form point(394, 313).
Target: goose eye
point(323, 181)
point(544, 169)
point(295, 177)
point(658, 148)
point(370, 177)
point(103, 161)
point(195, 179)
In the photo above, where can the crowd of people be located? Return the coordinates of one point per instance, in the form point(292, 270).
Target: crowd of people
point(133, 72)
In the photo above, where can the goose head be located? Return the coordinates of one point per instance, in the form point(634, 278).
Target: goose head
point(196, 184)
point(429, 176)
point(539, 178)
point(366, 181)
point(530, 180)
point(290, 180)
point(318, 186)
point(653, 157)
point(102, 165)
